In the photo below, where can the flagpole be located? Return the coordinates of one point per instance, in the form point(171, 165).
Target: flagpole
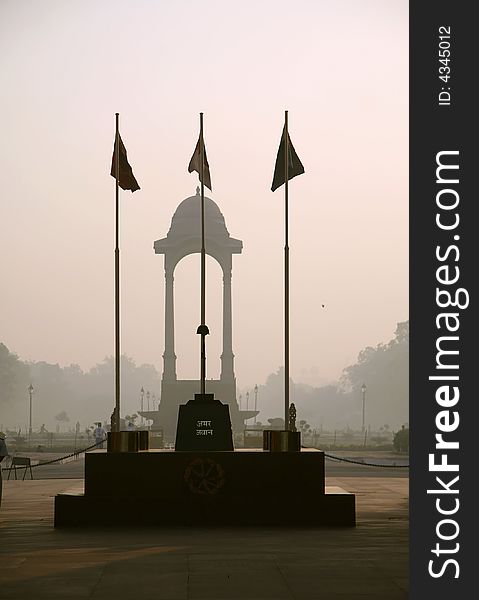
point(286, 275)
point(116, 420)
point(203, 262)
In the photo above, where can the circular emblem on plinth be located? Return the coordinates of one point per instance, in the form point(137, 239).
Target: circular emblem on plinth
point(204, 476)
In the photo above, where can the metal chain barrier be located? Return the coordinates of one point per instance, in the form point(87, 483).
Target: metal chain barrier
point(330, 456)
point(75, 454)
point(359, 462)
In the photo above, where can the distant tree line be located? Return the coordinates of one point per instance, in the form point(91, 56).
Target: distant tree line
point(85, 396)
point(383, 369)
point(88, 396)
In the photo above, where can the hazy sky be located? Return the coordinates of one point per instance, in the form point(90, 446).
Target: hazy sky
point(340, 68)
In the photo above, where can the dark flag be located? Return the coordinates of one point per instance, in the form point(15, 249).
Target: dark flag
point(195, 165)
point(126, 179)
point(294, 164)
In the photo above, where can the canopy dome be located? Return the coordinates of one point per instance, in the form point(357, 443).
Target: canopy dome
point(184, 235)
point(187, 217)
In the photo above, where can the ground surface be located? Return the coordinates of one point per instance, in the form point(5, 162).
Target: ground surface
point(369, 561)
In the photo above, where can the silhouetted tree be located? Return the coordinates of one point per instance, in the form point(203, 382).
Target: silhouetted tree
point(14, 378)
point(401, 440)
point(62, 417)
point(304, 427)
point(385, 371)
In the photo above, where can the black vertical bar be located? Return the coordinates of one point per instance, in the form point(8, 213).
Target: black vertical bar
point(443, 128)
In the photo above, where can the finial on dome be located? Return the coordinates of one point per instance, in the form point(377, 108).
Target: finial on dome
point(197, 190)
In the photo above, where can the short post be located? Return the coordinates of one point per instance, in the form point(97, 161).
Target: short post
point(30, 392)
point(363, 391)
point(142, 394)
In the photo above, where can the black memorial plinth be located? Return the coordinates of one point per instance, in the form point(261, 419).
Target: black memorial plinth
point(204, 424)
point(169, 488)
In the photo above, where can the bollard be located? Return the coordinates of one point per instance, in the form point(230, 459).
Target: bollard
point(267, 439)
point(281, 441)
point(143, 439)
point(122, 441)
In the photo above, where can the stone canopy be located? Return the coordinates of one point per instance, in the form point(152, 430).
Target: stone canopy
point(184, 238)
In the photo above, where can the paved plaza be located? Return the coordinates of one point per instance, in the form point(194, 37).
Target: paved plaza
point(369, 561)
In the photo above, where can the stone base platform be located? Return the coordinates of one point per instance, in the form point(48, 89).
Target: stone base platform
point(243, 487)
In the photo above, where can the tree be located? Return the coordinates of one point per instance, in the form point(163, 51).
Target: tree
point(88, 396)
point(401, 440)
point(323, 404)
point(62, 417)
point(385, 371)
point(14, 379)
point(304, 427)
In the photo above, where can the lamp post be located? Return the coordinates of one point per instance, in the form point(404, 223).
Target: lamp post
point(255, 401)
point(247, 400)
point(30, 392)
point(142, 394)
point(363, 391)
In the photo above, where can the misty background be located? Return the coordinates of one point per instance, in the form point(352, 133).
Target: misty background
point(86, 396)
point(340, 68)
